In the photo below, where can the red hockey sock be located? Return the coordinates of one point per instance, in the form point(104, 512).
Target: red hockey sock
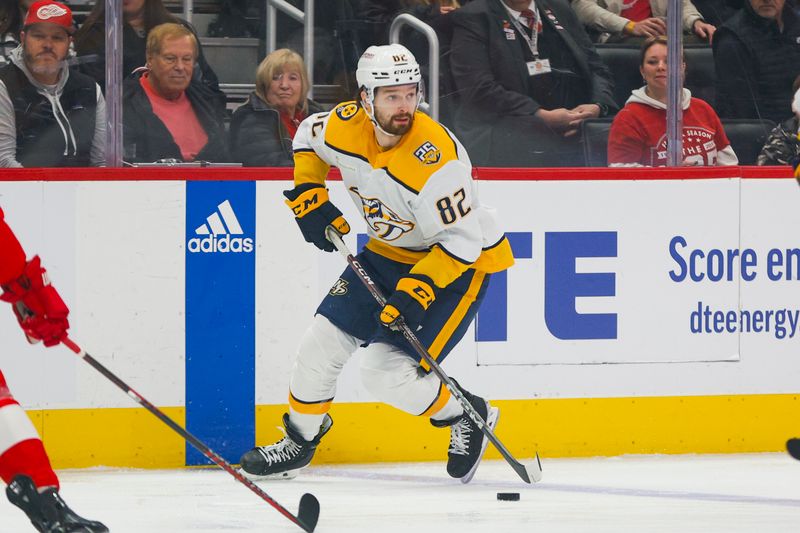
point(21, 449)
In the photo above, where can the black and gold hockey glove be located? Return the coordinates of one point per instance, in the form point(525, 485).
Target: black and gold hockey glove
point(411, 298)
point(314, 212)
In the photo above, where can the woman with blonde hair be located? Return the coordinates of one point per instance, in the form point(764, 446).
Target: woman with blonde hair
point(262, 129)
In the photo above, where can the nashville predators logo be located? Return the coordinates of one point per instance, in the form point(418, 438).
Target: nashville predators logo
point(428, 153)
point(383, 221)
point(347, 111)
point(339, 288)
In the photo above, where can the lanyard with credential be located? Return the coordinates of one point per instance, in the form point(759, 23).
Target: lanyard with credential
point(534, 39)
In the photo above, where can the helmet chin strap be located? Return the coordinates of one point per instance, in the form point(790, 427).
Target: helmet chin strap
point(371, 111)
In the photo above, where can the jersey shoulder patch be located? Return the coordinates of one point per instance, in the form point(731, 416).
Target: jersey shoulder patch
point(347, 110)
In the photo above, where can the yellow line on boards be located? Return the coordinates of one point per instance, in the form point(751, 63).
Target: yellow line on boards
point(374, 432)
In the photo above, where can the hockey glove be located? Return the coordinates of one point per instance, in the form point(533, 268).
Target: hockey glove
point(409, 301)
point(314, 212)
point(41, 312)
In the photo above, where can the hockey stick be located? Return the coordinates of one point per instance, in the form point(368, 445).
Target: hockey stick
point(529, 473)
point(308, 510)
point(793, 447)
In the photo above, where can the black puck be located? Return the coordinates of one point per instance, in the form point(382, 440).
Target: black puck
point(508, 496)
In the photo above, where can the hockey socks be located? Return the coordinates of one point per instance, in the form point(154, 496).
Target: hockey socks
point(21, 450)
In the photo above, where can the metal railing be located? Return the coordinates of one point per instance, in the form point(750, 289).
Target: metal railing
point(304, 17)
point(113, 21)
point(188, 10)
point(433, 54)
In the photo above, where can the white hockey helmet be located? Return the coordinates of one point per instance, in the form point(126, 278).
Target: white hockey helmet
point(385, 66)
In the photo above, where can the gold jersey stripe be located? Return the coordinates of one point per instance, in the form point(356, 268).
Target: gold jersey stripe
point(455, 319)
point(496, 258)
point(441, 267)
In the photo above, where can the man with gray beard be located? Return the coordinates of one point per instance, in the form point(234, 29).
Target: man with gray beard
point(49, 116)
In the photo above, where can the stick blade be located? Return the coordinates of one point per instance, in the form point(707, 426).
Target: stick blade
point(531, 473)
point(535, 470)
point(793, 447)
point(308, 512)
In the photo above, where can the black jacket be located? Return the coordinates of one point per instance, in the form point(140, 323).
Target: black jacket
point(756, 65)
point(258, 138)
point(381, 13)
point(51, 135)
point(490, 70)
point(491, 76)
point(147, 139)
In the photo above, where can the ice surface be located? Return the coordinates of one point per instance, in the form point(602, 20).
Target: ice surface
point(754, 493)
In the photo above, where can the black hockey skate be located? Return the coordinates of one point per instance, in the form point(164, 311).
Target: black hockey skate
point(467, 442)
point(47, 511)
point(285, 458)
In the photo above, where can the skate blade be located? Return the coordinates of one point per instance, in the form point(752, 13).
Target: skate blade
point(289, 474)
point(492, 417)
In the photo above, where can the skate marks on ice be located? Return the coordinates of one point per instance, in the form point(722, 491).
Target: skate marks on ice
point(653, 494)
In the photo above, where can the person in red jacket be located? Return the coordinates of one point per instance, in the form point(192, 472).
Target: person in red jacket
point(638, 135)
point(24, 465)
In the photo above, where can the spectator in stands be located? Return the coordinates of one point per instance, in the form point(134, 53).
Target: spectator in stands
point(638, 133)
point(620, 20)
point(166, 113)
point(12, 13)
point(757, 56)
point(378, 16)
point(139, 17)
point(715, 12)
point(262, 129)
point(525, 92)
point(49, 116)
point(381, 13)
point(782, 146)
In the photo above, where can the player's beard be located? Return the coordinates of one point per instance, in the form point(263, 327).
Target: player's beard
point(389, 125)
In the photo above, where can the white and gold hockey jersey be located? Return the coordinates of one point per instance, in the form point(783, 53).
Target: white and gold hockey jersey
point(418, 198)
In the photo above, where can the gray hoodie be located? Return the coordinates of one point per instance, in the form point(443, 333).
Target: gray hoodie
point(8, 128)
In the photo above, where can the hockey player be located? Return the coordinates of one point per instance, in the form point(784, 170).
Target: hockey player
point(24, 465)
point(432, 247)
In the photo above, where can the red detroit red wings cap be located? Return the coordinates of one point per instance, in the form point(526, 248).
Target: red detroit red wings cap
point(49, 12)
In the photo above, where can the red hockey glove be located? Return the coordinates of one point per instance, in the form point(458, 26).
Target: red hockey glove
point(410, 299)
point(41, 312)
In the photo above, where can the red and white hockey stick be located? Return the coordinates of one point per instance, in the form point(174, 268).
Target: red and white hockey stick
point(308, 510)
point(529, 473)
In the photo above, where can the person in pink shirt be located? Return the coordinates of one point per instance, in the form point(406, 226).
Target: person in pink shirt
point(167, 115)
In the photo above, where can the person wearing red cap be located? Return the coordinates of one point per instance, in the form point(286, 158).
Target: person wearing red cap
point(49, 116)
point(24, 465)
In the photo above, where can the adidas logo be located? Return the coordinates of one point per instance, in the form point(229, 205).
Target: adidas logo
point(218, 230)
